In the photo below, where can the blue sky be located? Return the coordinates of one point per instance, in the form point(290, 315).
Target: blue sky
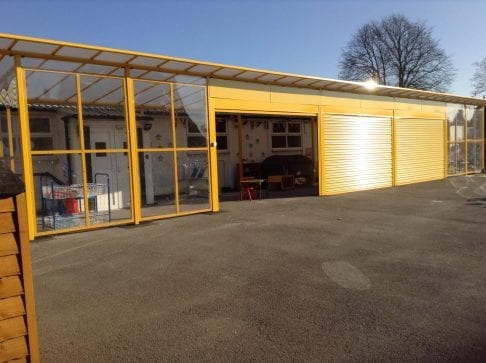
point(304, 37)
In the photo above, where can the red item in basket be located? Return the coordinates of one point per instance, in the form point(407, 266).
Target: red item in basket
point(71, 205)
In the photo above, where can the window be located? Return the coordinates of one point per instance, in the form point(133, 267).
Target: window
point(221, 134)
point(195, 137)
point(40, 134)
point(286, 135)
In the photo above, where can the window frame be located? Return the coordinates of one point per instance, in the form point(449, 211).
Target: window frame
point(287, 134)
point(220, 134)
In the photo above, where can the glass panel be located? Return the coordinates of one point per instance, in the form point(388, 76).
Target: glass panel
point(451, 129)
point(460, 157)
point(157, 183)
point(222, 142)
point(479, 156)
point(58, 191)
point(294, 141)
point(221, 126)
point(10, 147)
point(474, 156)
point(103, 113)
point(8, 83)
point(153, 113)
point(41, 143)
point(40, 124)
point(456, 121)
point(294, 127)
point(109, 172)
point(7, 73)
point(193, 182)
point(278, 127)
point(191, 117)
point(452, 159)
point(474, 118)
point(102, 91)
point(279, 142)
point(52, 107)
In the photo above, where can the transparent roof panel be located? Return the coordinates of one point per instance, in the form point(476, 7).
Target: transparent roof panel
point(119, 72)
point(227, 72)
point(269, 77)
point(304, 82)
point(177, 66)
point(31, 62)
point(249, 75)
point(113, 57)
point(134, 73)
point(180, 78)
point(288, 80)
point(203, 68)
point(35, 47)
point(5, 43)
point(157, 76)
point(146, 61)
point(74, 52)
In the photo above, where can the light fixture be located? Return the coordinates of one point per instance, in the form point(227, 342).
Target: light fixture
point(370, 84)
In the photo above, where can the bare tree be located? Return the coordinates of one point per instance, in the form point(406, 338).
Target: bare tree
point(397, 52)
point(479, 78)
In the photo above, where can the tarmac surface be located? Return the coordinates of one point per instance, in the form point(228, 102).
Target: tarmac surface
point(397, 274)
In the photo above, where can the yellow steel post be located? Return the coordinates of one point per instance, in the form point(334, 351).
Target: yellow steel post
point(1, 140)
point(83, 154)
point(174, 145)
point(133, 149)
point(483, 139)
point(240, 146)
point(465, 138)
point(25, 137)
point(394, 149)
point(313, 147)
point(11, 150)
point(213, 156)
point(446, 147)
point(320, 151)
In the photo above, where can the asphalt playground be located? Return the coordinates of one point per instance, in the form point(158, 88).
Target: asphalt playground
point(396, 274)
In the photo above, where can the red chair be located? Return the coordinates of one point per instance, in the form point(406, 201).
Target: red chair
point(247, 190)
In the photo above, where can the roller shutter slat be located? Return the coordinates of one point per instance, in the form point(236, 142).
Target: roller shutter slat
point(419, 150)
point(357, 153)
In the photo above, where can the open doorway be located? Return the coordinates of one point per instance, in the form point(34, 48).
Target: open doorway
point(279, 150)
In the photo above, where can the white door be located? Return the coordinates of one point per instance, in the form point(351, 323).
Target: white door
point(114, 165)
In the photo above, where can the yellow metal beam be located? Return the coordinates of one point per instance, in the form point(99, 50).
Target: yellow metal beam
point(213, 157)
point(320, 151)
point(11, 149)
point(446, 147)
point(25, 137)
point(394, 149)
point(240, 146)
point(133, 156)
point(174, 154)
point(83, 155)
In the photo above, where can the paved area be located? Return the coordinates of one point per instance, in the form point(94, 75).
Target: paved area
point(385, 275)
